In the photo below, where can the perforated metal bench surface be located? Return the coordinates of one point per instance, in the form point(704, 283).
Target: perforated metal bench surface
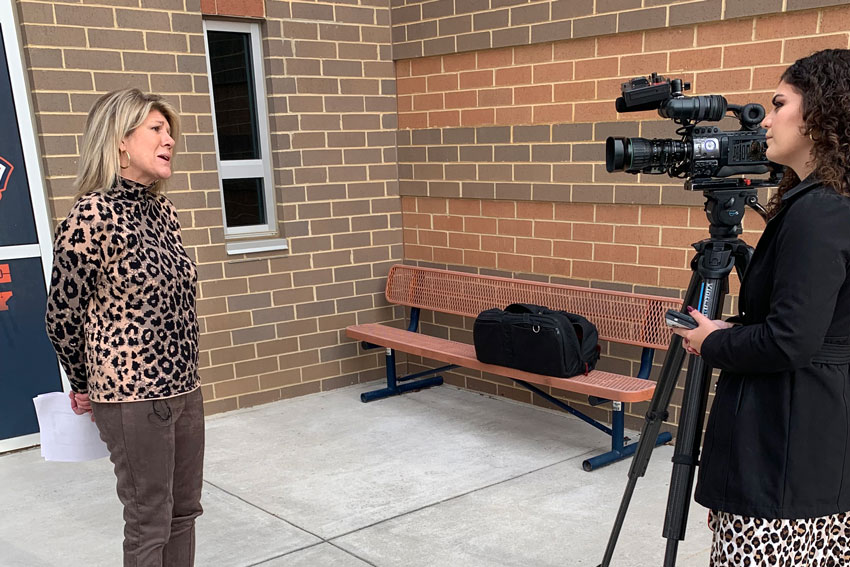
point(620, 317)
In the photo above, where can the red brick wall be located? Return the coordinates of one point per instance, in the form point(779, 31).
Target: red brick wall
point(237, 8)
point(501, 152)
point(529, 122)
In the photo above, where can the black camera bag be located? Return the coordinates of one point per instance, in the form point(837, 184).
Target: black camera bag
point(536, 339)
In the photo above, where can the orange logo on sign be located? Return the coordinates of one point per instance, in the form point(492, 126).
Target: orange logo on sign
point(6, 170)
point(5, 277)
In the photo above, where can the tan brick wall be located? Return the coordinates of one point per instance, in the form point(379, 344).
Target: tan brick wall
point(272, 323)
point(578, 80)
point(631, 248)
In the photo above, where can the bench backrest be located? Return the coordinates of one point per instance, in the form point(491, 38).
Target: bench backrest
point(621, 317)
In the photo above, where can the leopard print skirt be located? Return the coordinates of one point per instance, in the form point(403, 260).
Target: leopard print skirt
point(815, 542)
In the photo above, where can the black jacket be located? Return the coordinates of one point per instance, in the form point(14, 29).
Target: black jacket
point(778, 435)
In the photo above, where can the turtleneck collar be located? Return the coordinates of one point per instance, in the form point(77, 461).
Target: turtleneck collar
point(132, 189)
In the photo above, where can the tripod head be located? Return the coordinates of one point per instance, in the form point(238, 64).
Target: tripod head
point(725, 202)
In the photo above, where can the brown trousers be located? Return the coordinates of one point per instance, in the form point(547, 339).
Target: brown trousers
point(157, 448)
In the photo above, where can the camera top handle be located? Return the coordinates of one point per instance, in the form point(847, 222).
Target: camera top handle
point(667, 97)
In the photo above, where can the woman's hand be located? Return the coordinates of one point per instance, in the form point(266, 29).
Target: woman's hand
point(80, 403)
point(692, 339)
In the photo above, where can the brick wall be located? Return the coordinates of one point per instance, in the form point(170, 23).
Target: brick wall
point(499, 122)
point(272, 323)
point(527, 125)
point(235, 8)
point(437, 27)
point(501, 148)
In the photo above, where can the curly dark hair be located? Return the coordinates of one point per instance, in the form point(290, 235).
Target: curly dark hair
point(823, 79)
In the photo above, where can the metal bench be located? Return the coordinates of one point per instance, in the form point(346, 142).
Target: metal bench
point(620, 317)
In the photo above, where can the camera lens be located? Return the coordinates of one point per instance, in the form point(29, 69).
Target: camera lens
point(628, 154)
point(634, 155)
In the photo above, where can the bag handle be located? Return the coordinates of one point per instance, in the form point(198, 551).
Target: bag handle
point(523, 308)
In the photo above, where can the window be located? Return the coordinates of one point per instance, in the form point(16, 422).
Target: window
point(240, 121)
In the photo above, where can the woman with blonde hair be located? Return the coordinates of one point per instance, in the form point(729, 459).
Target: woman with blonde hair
point(121, 316)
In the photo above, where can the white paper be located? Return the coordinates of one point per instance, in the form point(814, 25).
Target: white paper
point(66, 436)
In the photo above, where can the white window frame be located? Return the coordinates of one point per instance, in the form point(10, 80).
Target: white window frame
point(253, 168)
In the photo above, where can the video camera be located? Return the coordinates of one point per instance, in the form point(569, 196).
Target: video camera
point(704, 152)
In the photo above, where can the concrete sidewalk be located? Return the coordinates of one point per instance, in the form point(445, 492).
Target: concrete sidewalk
point(442, 477)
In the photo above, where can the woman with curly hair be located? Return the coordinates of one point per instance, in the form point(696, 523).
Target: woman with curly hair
point(775, 466)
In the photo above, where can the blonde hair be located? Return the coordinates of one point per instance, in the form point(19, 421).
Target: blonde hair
point(113, 117)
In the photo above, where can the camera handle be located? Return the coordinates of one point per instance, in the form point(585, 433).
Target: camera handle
point(712, 264)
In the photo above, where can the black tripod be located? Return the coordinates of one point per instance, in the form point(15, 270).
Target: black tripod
point(714, 260)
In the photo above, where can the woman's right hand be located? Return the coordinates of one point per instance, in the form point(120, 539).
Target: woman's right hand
point(692, 339)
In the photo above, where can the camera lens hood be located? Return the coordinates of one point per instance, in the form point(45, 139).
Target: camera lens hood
point(615, 154)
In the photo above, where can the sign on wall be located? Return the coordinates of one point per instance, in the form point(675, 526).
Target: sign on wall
point(17, 225)
point(28, 365)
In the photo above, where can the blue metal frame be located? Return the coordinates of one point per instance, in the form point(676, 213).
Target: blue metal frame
point(619, 449)
point(393, 387)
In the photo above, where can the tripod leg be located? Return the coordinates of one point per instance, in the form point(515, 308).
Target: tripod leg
point(685, 455)
point(655, 416)
point(714, 265)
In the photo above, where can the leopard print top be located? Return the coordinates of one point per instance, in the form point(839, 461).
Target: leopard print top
point(121, 308)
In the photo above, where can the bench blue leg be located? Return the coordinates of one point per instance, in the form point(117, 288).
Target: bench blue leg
point(619, 450)
point(394, 388)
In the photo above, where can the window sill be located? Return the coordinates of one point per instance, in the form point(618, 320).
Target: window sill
point(249, 246)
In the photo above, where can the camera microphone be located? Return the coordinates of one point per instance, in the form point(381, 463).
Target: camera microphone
point(706, 107)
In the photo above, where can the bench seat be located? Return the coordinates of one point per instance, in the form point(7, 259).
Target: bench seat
point(597, 383)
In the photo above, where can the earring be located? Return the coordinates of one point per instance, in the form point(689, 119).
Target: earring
point(128, 160)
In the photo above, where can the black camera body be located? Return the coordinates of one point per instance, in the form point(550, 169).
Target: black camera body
point(707, 152)
point(717, 153)
point(704, 152)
